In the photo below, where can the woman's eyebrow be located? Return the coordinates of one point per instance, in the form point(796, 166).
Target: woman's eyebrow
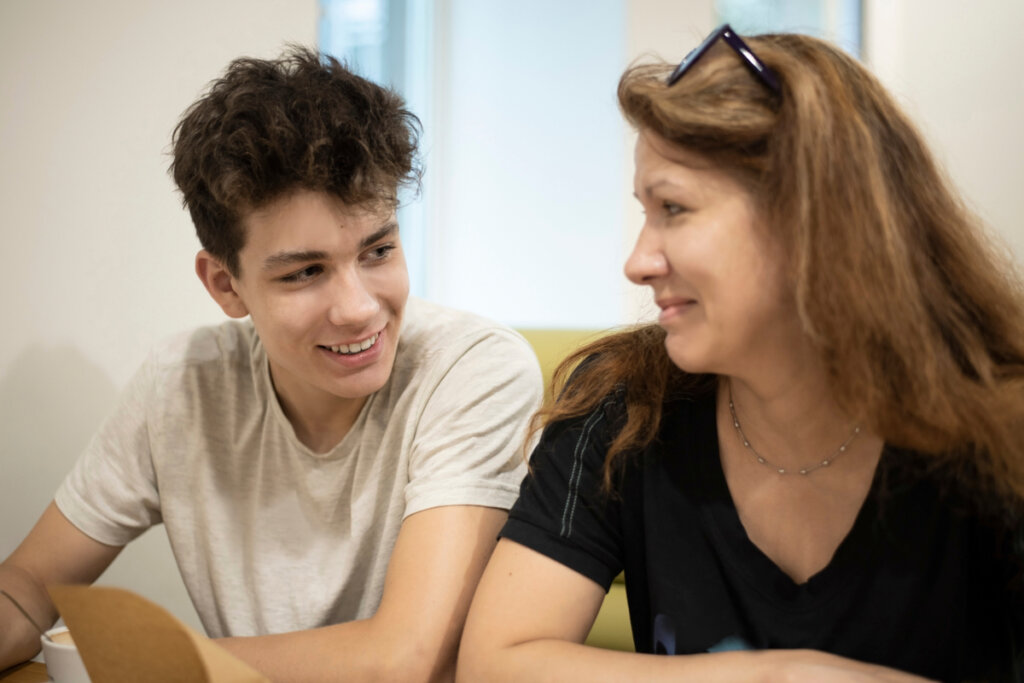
point(649, 189)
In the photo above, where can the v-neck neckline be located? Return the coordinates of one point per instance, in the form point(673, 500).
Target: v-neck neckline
point(722, 519)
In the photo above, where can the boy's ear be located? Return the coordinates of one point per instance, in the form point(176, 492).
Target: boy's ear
point(220, 284)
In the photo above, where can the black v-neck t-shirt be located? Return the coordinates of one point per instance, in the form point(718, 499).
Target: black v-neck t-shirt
point(919, 583)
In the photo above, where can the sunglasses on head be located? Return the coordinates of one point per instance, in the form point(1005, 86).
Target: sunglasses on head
point(725, 33)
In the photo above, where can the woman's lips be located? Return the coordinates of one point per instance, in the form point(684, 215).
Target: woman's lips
point(672, 308)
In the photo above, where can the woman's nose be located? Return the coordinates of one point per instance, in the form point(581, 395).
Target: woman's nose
point(647, 260)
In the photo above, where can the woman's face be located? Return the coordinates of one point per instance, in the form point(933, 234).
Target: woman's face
point(715, 275)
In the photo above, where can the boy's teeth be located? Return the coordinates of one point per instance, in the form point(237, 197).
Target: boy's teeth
point(356, 348)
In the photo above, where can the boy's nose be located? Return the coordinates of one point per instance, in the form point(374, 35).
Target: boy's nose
point(353, 303)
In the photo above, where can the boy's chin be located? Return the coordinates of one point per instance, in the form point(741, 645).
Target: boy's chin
point(361, 389)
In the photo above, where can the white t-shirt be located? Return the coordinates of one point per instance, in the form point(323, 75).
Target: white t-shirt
point(269, 536)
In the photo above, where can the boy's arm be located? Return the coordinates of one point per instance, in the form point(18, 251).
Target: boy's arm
point(434, 568)
point(466, 467)
point(54, 552)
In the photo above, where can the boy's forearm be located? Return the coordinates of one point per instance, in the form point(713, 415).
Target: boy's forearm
point(354, 651)
point(414, 635)
point(19, 639)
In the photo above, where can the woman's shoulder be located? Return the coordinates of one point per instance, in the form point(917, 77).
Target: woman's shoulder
point(634, 419)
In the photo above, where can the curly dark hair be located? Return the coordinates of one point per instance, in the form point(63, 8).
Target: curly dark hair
point(270, 127)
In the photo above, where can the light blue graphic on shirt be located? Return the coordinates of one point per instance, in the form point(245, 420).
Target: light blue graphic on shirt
point(664, 635)
point(665, 638)
point(731, 644)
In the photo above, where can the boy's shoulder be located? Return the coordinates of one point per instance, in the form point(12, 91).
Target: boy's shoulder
point(435, 337)
point(432, 325)
point(225, 347)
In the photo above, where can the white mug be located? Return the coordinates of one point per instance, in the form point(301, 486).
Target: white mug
point(63, 663)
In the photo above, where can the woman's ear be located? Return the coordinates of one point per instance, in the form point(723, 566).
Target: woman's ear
point(220, 283)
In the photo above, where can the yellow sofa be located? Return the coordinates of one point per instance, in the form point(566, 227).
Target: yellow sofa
point(611, 629)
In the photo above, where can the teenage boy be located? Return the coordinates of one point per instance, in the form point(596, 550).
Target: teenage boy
point(332, 472)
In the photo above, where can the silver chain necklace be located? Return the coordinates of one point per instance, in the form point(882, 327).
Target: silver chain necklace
point(778, 468)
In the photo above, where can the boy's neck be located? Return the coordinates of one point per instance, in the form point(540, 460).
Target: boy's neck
point(321, 433)
point(320, 421)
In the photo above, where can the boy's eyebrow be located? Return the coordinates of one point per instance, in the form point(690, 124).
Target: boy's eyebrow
point(384, 231)
point(288, 258)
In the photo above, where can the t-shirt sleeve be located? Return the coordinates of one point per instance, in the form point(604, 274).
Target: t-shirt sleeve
point(111, 492)
point(468, 447)
point(563, 511)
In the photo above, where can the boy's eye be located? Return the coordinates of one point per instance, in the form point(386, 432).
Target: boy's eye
point(381, 252)
point(307, 273)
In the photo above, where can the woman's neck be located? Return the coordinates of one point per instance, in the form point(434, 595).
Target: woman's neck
point(792, 421)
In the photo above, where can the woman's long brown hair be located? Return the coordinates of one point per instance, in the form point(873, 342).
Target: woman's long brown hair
point(918, 318)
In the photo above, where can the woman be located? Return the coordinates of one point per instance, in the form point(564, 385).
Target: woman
point(811, 467)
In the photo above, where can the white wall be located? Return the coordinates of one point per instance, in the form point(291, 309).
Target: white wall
point(97, 252)
point(957, 71)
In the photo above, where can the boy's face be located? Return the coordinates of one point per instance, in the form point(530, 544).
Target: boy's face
point(325, 285)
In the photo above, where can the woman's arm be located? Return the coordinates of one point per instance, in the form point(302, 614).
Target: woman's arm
point(531, 614)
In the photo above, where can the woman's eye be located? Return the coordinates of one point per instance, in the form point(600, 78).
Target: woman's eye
point(307, 273)
point(671, 208)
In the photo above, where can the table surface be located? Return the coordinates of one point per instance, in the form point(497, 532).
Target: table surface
point(29, 672)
